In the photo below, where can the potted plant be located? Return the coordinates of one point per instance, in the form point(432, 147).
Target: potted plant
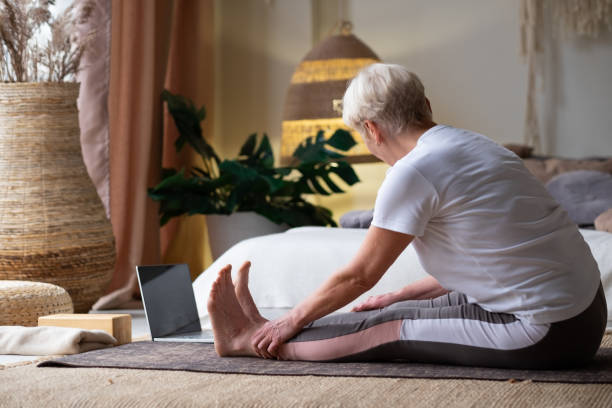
point(250, 183)
point(53, 227)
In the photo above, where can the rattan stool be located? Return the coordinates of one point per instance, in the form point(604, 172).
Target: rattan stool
point(22, 302)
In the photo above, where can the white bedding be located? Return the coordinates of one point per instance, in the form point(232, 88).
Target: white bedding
point(287, 267)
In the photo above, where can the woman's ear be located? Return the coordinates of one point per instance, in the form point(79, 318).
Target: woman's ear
point(374, 130)
point(367, 125)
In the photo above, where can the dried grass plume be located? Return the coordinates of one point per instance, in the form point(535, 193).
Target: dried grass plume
point(24, 58)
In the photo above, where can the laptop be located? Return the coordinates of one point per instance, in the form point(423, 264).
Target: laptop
point(169, 303)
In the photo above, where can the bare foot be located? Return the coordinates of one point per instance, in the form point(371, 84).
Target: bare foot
point(119, 297)
point(244, 294)
point(231, 326)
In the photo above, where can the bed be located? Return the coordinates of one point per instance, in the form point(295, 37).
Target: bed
point(287, 267)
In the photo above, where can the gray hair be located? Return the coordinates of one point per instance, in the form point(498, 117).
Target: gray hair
point(387, 94)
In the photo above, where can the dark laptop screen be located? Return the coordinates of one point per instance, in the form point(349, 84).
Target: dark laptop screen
point(168, 299)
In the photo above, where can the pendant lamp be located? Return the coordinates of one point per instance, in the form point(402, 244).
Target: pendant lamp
point(314, 97)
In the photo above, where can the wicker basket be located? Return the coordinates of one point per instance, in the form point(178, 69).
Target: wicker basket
point(22, 303)
point(314, 97)
point(53, 227)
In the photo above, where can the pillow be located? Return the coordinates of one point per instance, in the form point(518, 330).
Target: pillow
point(583, 194)
point(603, 222)
point(544, 169)
point(357, 219)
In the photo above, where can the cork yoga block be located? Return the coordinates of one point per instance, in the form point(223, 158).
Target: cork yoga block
point(117, 325)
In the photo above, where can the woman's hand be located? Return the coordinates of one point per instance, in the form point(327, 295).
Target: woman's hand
point(376, 302)
point(267, 340)
point(426, 288)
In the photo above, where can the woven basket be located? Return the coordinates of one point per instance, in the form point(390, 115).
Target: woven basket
point(22, 303)
point(53, 227)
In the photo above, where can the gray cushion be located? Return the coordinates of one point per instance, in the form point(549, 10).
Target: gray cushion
point(584, 194)
point(357, 219)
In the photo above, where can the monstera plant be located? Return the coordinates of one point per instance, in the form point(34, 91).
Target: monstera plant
point(251, 182)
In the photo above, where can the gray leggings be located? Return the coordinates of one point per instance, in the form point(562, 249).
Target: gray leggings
point(449, 330)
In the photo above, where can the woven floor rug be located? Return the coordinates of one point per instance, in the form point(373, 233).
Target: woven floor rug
point(200, 357)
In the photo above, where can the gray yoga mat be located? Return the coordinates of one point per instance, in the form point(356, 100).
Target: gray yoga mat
point(201, 357)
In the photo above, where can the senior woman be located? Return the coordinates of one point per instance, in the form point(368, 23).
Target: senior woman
point(512, 282)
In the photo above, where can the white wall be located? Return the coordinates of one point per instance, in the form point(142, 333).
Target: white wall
point(259, 43)
point(466, 52)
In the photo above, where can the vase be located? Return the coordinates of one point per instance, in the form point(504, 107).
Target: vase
point(224, 231)
point(53, 227)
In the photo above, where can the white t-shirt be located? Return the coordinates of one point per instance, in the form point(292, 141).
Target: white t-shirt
point(484, 226)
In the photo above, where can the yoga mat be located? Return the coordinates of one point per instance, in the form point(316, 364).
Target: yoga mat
point(200, 357)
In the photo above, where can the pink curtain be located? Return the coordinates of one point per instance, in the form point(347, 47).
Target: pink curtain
point(189, 73)
point(140, 47)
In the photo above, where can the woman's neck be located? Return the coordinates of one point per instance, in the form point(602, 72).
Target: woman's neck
point(405, 141)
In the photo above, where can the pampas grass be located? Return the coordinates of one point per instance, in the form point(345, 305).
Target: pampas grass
point(24, 59)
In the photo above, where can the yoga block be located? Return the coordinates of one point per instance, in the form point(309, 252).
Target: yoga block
point(117, 325)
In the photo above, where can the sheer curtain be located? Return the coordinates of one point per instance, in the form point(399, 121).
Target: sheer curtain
point(94, 77)
point(147, 45)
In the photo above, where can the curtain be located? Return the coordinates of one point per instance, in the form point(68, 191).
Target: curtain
point(190, 73)
point(154, 44)
point(94, 77)
point(547, 20)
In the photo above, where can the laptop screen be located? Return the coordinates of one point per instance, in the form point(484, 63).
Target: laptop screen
point(168, 299)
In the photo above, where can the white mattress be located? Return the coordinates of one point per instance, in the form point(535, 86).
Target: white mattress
point(287, 267)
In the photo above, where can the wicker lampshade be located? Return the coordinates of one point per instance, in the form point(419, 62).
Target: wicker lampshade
point(314, 98)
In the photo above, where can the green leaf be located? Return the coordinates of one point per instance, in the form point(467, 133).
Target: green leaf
point(201, 113)
point(248, 147)
point(264, 153)
point(314, 150)
point(332, 186)
point(308, 151)
point(260, 157)
point(320, 137)
point(240, 172)
point(284, 171)
point(296, 212)
point(341, 140)
point(345, 172)
point(275, 183)
point(187, 119)
point(317, 186)
point(171, 179)
point(198, 172)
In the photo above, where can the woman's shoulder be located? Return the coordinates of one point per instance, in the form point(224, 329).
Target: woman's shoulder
point(453, 154)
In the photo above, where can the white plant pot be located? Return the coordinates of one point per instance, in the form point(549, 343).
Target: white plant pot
point(224, 231)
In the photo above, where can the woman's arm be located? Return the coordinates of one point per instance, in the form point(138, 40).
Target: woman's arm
point(379, 250)
point(426, 288)
point(377, 253)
